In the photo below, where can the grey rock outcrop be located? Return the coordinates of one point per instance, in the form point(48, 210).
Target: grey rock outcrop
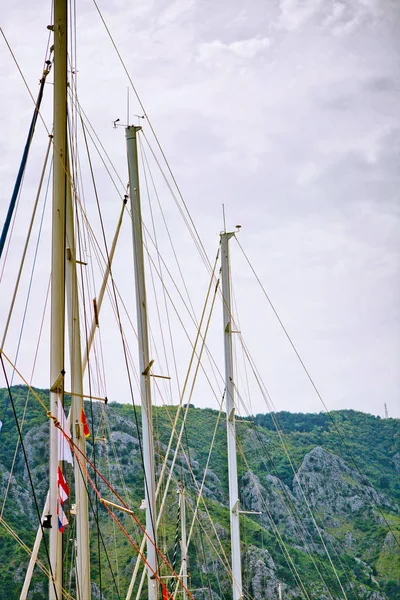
point(331, 486)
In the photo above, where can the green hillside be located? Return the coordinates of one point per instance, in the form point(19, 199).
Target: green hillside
point(326, 487)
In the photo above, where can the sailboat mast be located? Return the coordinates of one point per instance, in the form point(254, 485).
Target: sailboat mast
point(57, 326)
point(182, 506)
point(230, 420)
point(144, 361)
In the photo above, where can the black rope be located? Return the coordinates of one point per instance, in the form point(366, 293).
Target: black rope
point(173, 583)
point(29, 472)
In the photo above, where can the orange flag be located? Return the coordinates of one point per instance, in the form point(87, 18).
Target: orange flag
point(84, 422)
point(165, 594)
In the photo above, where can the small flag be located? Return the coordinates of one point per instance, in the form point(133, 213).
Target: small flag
point(165, 594)
point(62, 519)
point(64, 450)
point(86, 430)
point(63, 488)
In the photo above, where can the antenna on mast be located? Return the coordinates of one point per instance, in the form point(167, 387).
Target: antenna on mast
point(386, 411)
point(223, 216)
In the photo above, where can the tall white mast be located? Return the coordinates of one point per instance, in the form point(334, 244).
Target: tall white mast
point(57, 331)
point(230, 420)
point(182, 505)
point(144, 361)
point(83, 591)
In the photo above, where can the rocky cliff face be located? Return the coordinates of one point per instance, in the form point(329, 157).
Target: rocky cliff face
point(328, 500)
point(325, 504)
point(332, 487)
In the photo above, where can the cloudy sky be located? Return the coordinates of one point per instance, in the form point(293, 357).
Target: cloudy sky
point(286, 112)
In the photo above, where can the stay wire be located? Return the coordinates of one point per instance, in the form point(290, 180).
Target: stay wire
point(96, 518)
point(174, 422)
point(280, 539)
point(195, 235)
point(29, 472)
point(311, 380)
point(245, 352)
point(76, 450)
point(289, 505)
point(41, 566)
point(23, 261)
point(118, 314)
point(260, 384)
point(73, 196)
point(24, 159)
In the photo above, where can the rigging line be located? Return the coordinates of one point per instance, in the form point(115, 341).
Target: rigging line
point(28, 471)
point(11, 234)
point(241, 400)
point(83, 116)
point(266, 396)
point(89, 382)
point(24, 160)
point(277, 532)
point(23, 78)
point(75, 448)
point(38, 398)
point(196, 243)
point(192, 318)
point(113, 284)
point(174, 426)
point(117, 292)
point(329, 413)
point(258, 378)
point(114, 530)
point(26, 403)
point(33, 265)
point(59, 157)
point(151, 271)
point(176, 544)
point(260, 384)
point(200, 496)
point(96, 518)
point(26, 248)
point(292, 511)
point(199, 242)
point(144, 156)
point(200, 491)
point(39, 563)
point(118, 317)
point(227, 567)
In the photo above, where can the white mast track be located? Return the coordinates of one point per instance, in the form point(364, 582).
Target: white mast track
point(57, 327)
point(230, 420)
point(144, 362)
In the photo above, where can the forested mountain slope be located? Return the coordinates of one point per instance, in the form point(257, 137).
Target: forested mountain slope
point(327, 488)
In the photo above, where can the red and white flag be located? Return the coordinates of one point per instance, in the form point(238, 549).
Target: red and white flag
point(63, 488)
